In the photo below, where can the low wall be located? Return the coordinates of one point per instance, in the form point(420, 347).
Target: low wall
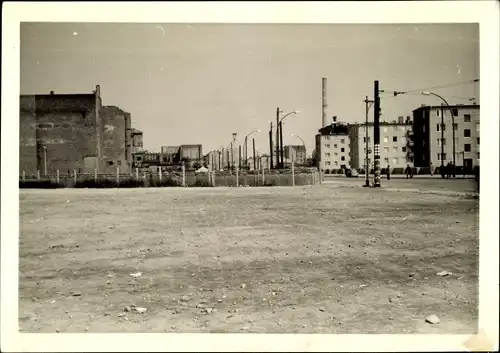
point(148, 179)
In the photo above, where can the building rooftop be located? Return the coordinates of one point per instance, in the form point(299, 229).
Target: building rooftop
point(459, 106)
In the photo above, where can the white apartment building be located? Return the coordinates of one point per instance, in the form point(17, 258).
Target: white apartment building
point(433, 127)
point(395, 151)
point(332, 147)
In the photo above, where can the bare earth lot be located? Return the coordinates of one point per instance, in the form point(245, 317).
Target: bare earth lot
point(335, 258)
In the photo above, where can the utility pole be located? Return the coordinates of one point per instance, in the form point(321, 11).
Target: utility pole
point(254, 161)
point(239, 152)
point(271, 145)
point(281, 145)
point(376, 134)
point(277, 138)
point(368, 104)
point(442, 142)
point(245, 152)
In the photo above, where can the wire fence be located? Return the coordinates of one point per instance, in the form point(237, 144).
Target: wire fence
point(172, 179)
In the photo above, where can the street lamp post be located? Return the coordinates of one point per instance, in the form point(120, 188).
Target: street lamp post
point(246, 146)
point(452, 120)
point(368, 105)
point(45, 159)
point(301, 139)
point(280, 127)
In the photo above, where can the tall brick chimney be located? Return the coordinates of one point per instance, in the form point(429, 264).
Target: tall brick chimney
point(98, 90)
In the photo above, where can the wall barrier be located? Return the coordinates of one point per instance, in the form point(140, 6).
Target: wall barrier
point(172, 179)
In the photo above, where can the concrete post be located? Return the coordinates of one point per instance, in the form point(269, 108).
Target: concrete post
point(117, 176)
point(183, 175)
point(237, 177)
point(137, 173)
point(293, 173)
point(74, 176)
point(95, 174)
point(24, 175)
point(159, 173)
point(263, 177)
point(57, 176)
point(38, 174)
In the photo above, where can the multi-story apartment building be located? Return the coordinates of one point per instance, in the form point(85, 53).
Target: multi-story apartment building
point(332, 147)
point(433, 135)
point(295, 153)
point(395, 151)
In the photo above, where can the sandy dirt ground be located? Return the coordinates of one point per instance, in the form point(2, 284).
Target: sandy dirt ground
point(335, 258)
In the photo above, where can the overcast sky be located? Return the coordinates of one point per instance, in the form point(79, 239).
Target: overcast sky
point(190, 84)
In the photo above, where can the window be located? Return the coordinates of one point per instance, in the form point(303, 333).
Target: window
point(386, 149)
point(477, 126)
point(342, 140)
point(327, 137)
point(364, 150)
point(466, 118)
point(439, 142)
point(403, 149)
point(364, 139)
point(395, 161)
point(437, 126)
point(394, 139)
point(336, 163)
point(478, 155)
point(342, 158)
point(477, 140)
point(385, 128)
point(395, 149)
point(455, 126)
point(386, 160)
point(327, 163)
point(437, 111)
point(386, 139)
point(455, 111)
point(327, 154)
point(439, 155)
point(335, 154)
point(467, 133)
point(342, 149)
point(335, 146)
point(403, 139)
point(467, 147)
point(327, 146)
point(443, 127)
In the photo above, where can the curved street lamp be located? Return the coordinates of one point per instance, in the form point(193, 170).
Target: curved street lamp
point(452, 120)
point(246, 146)
point(280, 128)
point(301, 139)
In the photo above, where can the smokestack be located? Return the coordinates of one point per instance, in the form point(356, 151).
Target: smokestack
point(323, 100)
point(98, 90)
point(401, 119)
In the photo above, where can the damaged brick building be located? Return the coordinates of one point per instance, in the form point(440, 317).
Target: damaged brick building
point(69, 132)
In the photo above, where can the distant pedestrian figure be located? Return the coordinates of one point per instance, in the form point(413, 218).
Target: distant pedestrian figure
point(448, 170)
point(431, 169)
point(388, 172)
point(408, 172)
point(453, 170)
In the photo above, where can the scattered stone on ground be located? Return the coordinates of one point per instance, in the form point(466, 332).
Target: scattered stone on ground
point(76, 293)
point(444, 273)
point(135, 275)
point(432, 319)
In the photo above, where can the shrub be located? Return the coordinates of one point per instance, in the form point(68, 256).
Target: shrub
point(39, 184)
point(202, 183)
point(109, 183)
point(165, 182)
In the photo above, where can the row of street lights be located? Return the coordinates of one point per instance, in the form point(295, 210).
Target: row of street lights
point(229, 149)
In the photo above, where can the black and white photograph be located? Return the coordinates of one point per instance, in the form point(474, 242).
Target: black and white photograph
point(251, 177)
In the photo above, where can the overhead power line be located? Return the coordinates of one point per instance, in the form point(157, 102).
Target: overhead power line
point(396, 93)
